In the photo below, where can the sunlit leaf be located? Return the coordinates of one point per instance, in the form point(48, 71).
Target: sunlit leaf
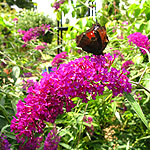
point(15, 72)
point(136, 107)
point(65, 145)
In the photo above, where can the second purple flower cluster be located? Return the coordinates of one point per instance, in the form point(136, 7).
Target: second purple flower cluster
point(140, 40)
point(33, 33)
point(57, 4)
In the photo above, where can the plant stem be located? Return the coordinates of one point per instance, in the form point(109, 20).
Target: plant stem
point(140, 86)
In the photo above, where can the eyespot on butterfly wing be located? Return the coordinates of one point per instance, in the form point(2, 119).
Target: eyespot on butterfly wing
point(93, 40)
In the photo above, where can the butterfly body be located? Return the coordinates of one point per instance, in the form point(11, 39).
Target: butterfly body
point(93, 40)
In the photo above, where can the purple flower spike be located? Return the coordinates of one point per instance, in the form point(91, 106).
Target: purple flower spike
point(59, 58)
point(57, 4)
point(33, 33)
point(39, 47)
point(127, 64)
point(15, 19)
point(52, 140)
point(4, 144)
point(89, 121)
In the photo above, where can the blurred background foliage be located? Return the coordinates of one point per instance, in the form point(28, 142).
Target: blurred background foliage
point(31, 19)
point(28, 4)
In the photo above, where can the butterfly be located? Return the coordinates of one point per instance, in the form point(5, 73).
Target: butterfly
point(93, 40)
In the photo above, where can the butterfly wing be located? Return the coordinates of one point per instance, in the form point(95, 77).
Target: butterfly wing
point(88, 41)
point(93, 40)
point(103, 38)
point(83, 39)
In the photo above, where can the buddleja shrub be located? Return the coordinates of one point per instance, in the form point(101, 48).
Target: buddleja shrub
point(52, 96)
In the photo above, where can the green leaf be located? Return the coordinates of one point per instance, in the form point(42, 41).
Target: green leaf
point(4, 112)
point(78, 5)
point(148, 64)
point(87, 124)
point(148, 27)
point(56, 47)
point(65, 145)
point(141, 28)
point(147, 11)
point(15, 72)
point(138, 59)
point(5, 127)
point(118, 116)
point(146, 82)
point(137, 12)
point(3, 122)
point(2, 22)
point(128, 145)
point(80, 24)
point(136, 107)
point(65, 10)
point(66, 132)
point(73, 14)
point(114, 104)
point(58, 15)
point(10, 135)
point(73, 35)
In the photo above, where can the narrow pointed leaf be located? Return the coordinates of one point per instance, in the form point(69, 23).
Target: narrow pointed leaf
point(136, 107)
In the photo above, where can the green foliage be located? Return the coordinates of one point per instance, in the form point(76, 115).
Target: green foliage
point(28, 4)
point(136, 108)
point(74, 133)
point(31, 19)
point(79, 9)
point(14, 62)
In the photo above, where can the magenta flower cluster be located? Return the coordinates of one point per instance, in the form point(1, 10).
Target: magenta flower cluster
point(138, 96)
point(48, 98)
point(127, 64)
point(39, 47)
point(26, 74)
point(27, 84)
point(4, 144)
point(118, 53)
point(33, 33)
point(32, 144)
point(125, 23)
point(52, 140)
point(59, 58)
point(89, 120)
point(15, 19)
point(139, 40)
point(57, 4)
